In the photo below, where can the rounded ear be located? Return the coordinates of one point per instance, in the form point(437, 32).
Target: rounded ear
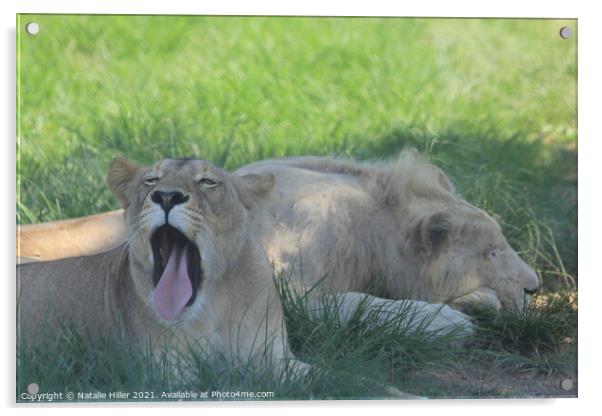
point(253, 185)
point(119, 178)
point(433, 233)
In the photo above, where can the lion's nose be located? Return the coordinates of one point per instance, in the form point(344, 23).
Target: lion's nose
point(531, 291)
point(168, 200)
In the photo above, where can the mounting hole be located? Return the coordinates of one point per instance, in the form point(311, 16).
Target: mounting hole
point(33, 388)
point(32, 28)
point(566, 32)
point(567, 384)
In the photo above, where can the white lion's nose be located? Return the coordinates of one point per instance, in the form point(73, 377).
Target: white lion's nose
point(531, 280)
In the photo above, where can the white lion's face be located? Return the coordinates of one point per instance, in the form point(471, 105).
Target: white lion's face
point(496, 276)
point(473, 265)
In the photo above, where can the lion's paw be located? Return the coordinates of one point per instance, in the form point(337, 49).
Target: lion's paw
point(450, 320)
point(438, 318)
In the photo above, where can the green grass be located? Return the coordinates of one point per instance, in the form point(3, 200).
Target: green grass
point(69, 361)
point(492, 101)
point(362, 358)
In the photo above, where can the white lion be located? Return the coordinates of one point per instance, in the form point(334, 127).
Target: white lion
point(397, 229)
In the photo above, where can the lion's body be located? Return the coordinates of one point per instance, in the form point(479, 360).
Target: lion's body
point(51, 291)
point(309, 225)
point(233, 313)
point(375, 228)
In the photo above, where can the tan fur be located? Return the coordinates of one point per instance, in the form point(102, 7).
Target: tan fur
point(237, 311)
point(393, 229)
point(70, 238)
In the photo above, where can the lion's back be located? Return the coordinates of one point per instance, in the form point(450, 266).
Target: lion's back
point(310, 222)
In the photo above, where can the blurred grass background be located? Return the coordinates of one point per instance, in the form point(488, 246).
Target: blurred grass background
point(491, 101)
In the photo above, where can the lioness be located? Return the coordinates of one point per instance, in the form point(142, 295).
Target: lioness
point(190, 271)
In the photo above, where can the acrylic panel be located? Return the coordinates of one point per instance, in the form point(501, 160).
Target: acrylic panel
point(275, 208)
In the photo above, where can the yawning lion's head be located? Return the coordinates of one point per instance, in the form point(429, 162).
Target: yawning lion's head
point(186, 220)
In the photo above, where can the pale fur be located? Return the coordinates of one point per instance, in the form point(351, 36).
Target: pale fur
point(237, 312)
point(369, 228)
point(364, 227)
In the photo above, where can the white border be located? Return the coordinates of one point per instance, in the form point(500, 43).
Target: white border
point(590, 135)
point(458, 8)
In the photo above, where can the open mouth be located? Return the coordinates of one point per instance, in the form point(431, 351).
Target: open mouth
point(177, 271)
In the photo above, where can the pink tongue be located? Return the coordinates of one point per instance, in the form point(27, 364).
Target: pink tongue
point(174, 288)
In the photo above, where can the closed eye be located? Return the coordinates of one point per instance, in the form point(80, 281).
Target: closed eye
point(210, 183)
point(151, 181)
